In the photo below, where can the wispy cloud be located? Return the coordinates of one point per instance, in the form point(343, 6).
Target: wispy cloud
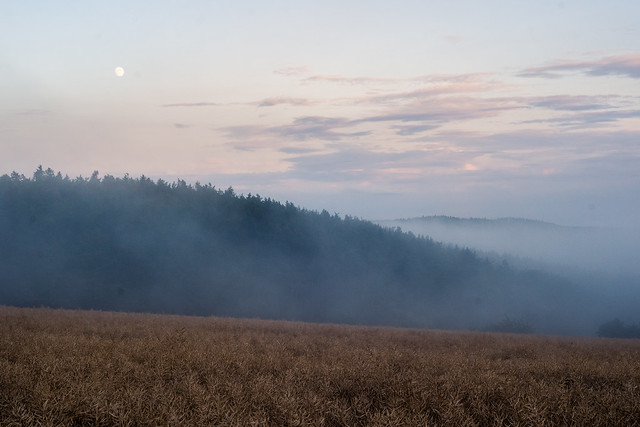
point(595, 118)
point(414, 118)
point(516, 154)
point(430, 86)
point(244, 132)
point(574, 102)
point(404, 118)
point(315, 127)
point(408, 130)
point(297, 150)
point(301, 129)
point(621, 65)
point(353, 164)
point(354, 80)
point(446, 110)
point(191, 104)
point(368, 80)
point(180, 126)
point(435, 90)
point(270, 102)
point(418, 110)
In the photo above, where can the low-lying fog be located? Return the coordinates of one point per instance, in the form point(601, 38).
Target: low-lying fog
point(135, 245)
point(586, 249)
point(603, 262)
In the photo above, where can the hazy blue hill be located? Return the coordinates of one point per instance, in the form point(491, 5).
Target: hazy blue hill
point(134, 244)
point(507, 222)
point(592, 249)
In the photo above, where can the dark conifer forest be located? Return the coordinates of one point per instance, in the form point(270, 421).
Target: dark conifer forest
point(132, 244)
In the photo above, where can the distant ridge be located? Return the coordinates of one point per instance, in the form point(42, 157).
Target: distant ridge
point(453, 220)
point(548, 245)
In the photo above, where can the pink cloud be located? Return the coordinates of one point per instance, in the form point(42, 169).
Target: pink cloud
point(436, 90)
point(621, 65)
point(428, 78)
point(573, 102)
point(270, 102)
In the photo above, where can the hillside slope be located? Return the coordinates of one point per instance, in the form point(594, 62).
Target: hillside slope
point(610, 250)
point(137, 245)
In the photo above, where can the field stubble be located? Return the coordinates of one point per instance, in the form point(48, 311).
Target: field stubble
point(61, 367)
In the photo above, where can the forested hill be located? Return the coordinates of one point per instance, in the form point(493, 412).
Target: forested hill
point(138, 245)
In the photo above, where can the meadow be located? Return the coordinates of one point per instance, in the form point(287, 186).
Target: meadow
point(71, 367)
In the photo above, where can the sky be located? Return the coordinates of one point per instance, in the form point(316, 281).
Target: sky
point(376, 109)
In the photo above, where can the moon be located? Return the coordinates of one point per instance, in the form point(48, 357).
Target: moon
point(119, 71)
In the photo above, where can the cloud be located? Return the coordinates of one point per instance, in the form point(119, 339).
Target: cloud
point(191, 104)
point(439, 172)
point(244, 132)
point(309, 77)
point(301, 129)
point(180, 126)
point(589, 118)
point(413, 129)
point(292, 70)
point(270, 102)
point(415, 116)
point(365, 80)
point(465, 160)
point(439, 85)
point(358, 165)
point(411, 113)
point(297, 150)
point(419, 116)
point(446, 110)
point(316, 127)
point(437, 90)
point(573, 102)
point(531, 143)
point(620, 65)
point(335, 78)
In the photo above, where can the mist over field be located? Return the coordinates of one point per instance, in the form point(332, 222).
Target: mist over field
point(601, 260)
point(132, 244)
point(611, 250)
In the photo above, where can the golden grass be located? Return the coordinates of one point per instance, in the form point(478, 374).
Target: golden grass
point(60, 367)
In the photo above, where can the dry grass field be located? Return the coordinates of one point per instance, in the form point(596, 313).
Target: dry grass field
point(61, 367)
